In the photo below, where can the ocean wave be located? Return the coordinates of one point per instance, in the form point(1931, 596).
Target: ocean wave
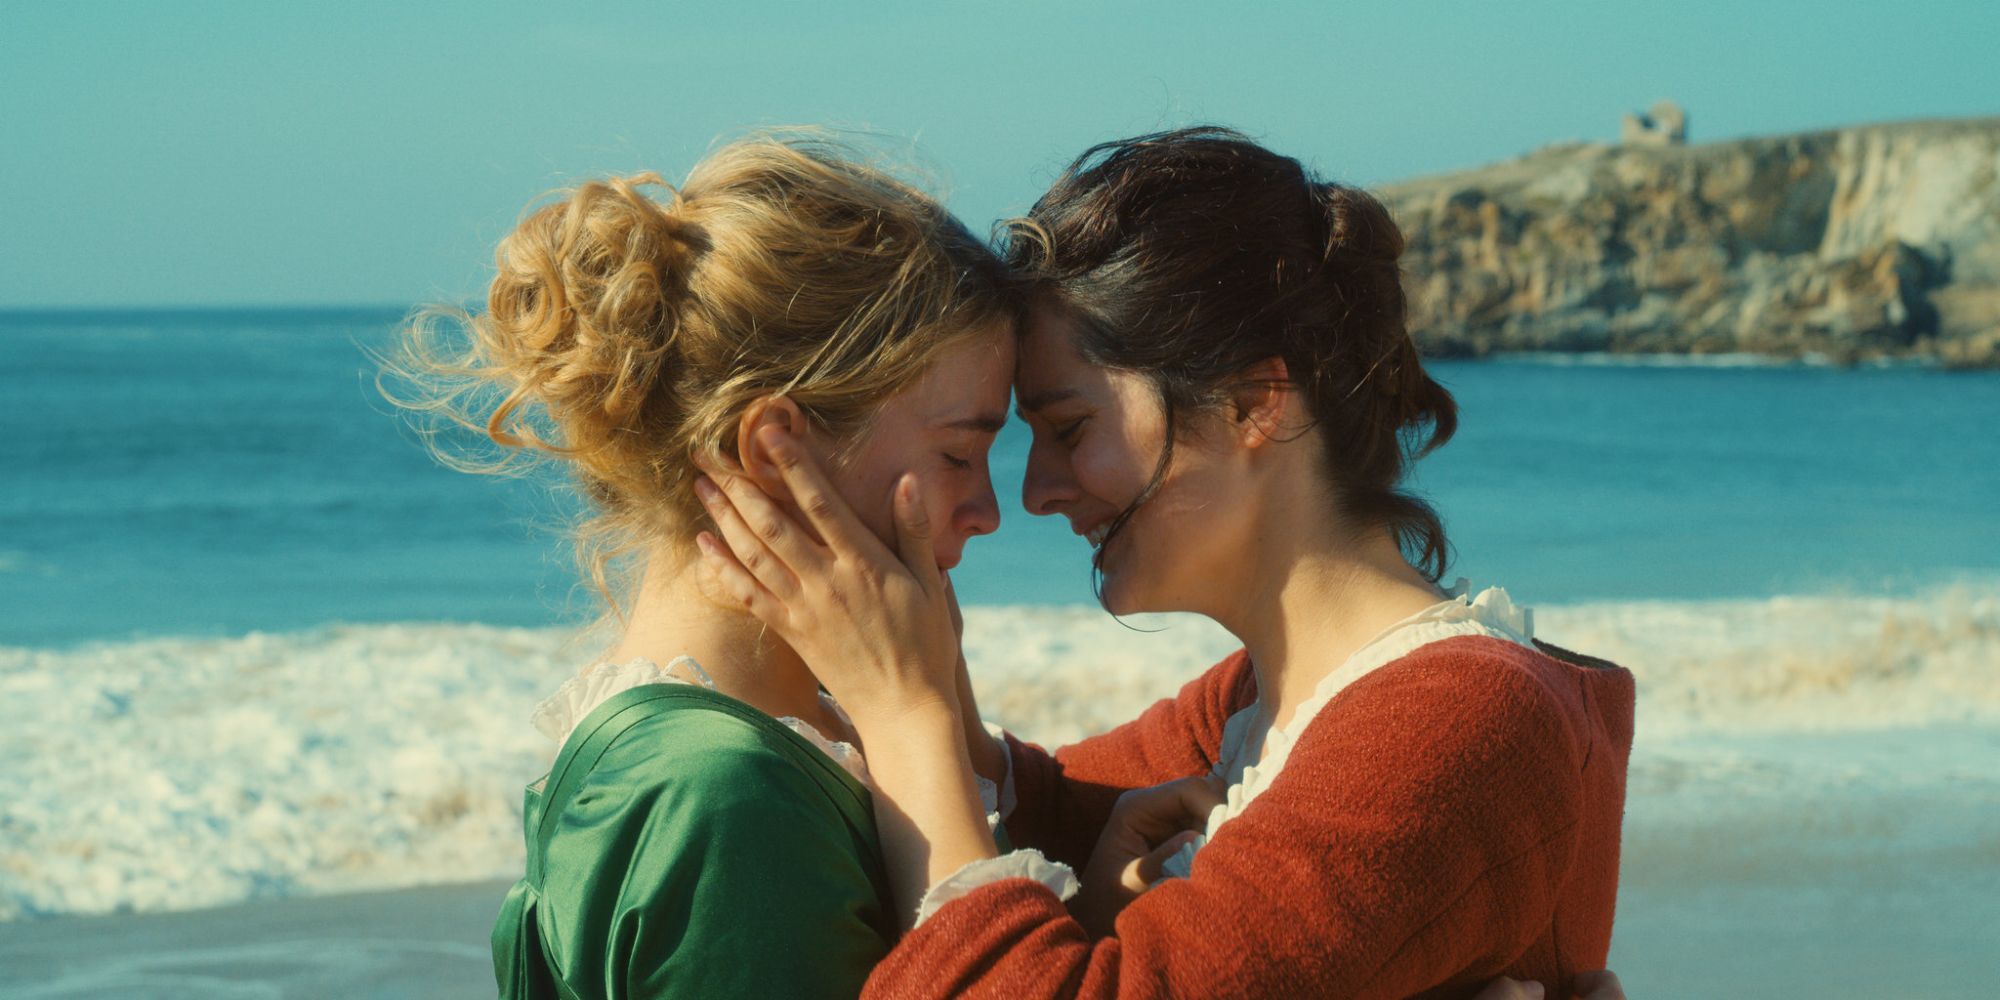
point(178, 773)
point(1802, 664)
point(1781, 664)
point(1608, 359)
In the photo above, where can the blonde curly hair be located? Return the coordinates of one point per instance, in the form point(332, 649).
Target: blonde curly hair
point(624, 334)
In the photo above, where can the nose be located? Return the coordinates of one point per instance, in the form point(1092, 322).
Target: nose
point(980, 513)
point(1049, 483)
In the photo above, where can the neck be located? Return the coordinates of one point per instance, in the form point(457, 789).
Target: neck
point(675, 614)
point(1308, 607)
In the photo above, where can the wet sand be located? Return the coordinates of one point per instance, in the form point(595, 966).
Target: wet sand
point(425, 943)
point(1848, 938)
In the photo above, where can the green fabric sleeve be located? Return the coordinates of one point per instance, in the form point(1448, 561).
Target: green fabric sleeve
point(700, 860)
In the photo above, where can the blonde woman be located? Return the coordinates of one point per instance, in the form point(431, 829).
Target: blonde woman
point(706, 829)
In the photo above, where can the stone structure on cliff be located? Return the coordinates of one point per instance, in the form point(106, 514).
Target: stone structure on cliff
point(1856, 244)
point(1665, 124)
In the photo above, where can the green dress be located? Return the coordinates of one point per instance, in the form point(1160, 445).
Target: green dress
point(685, 844)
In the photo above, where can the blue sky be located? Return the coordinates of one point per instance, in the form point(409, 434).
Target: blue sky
point(212, 153)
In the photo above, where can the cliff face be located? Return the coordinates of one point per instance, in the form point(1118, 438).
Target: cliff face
point(1861, 243)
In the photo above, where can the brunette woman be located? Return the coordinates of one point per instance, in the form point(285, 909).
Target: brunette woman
point(1412, 794)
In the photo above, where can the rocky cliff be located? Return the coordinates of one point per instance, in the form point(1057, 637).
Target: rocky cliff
point(1880, 241)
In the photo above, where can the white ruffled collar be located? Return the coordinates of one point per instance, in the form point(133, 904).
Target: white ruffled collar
point(1491, 607)
point(1491, 612)
point(559, 714)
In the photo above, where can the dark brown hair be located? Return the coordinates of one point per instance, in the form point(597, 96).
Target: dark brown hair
point(1190, 256)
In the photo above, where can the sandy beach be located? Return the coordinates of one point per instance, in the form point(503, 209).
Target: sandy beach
point(1813, 808)
point(1673, 941)
point(423, 944)
point(1842, 899)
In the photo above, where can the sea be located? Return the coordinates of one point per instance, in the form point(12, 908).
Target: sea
point(218, 473)
point(256, 643)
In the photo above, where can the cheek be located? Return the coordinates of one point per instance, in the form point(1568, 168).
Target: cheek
point(944, 523)
point(867, 493)
point(1111, 470)
point(942, 497)
point(947, 496)
point(1195, 528)
point(1095, 473)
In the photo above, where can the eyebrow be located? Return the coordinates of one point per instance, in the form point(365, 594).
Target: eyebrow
point(985, 423)
point(1043, 400)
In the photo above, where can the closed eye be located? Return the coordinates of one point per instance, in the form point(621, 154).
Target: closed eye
point(956, 462)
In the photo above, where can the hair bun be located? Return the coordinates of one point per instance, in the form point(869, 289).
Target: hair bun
point(583, 296)
point(621, 253)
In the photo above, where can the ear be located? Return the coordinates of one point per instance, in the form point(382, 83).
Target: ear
point(1261, 403)
point(766, 411)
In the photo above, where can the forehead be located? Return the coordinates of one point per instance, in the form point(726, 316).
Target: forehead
point(968, 379)
point(1048, 363)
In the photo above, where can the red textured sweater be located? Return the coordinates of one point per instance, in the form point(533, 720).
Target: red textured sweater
point(1449, 817)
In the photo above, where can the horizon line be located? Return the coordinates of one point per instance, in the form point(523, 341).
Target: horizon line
point(233, 307)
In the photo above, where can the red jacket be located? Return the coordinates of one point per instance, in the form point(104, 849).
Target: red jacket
point(1449, 817)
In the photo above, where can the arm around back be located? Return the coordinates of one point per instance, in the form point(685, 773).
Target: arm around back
point(1063, 800)
point(1418, 839)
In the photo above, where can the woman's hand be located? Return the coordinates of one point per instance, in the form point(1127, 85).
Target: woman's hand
point(1512, 989)
point(1589, 986)
point(988, 753)
point(1600, 985)
point(874, 626)
point(1145, 829)
point(876, 629)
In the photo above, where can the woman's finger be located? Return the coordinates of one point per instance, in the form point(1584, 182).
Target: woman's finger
point(740, 584)
point(1147, 870)
point(1172, 806)
point(1600, 985)
point(951, 601)
point(754, 549)
point(1511, 989)
point(779, 530)
point(1200, 794)
point(824, 509)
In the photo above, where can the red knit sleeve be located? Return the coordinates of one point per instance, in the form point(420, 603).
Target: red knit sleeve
point(1416, 840)
point(1062, 800)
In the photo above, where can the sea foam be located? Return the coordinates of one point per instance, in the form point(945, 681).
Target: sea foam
point(177, 773)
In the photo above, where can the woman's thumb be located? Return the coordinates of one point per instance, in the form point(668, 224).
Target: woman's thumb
point(1153, 865)
point(913, 531)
